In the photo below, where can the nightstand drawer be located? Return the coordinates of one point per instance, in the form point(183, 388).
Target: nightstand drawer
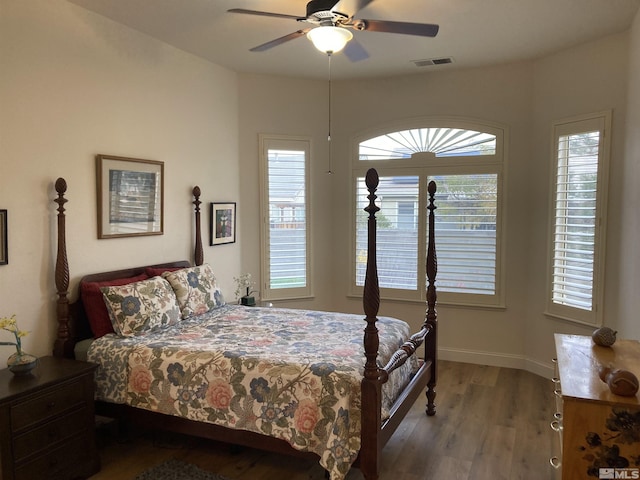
point(63, 463)
point(49, 434)
point(47, 405)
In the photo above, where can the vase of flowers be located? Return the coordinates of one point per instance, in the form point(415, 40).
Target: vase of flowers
point(20, 363)
point(244, 289)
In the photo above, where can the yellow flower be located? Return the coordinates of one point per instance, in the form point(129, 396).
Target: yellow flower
point(10, 325)
point(7, 322)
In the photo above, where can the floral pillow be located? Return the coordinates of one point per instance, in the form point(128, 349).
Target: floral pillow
point(94, 306)
point(140, 307)
point(196, 290)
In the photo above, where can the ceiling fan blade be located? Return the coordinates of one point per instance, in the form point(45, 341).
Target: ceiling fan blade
point(407, 28)
point(350, 7)
point(279, 41)
point(264, 14)
point(354, 51)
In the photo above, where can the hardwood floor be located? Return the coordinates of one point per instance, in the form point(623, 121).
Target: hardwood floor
point(491, 423)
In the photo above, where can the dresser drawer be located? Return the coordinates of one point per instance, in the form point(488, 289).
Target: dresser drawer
point(45, 436)
point(66, 462)
point(47, 427)
point(46, 405)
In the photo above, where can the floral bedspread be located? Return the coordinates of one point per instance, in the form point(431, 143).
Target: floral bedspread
point(291, 374)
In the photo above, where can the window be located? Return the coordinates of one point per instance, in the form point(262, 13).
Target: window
point(285, 223)
point(466, 233)
point(581, 150)
point(397, 237)
point(466, 163)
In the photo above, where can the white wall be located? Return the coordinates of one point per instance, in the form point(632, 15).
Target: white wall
point(585, 79)
point(73, 85)
point(287, 106)
point(626, 292)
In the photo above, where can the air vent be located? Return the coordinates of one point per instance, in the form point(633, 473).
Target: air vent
point(432, 61)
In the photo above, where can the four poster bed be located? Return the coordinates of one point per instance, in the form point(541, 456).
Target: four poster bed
point(174, 356)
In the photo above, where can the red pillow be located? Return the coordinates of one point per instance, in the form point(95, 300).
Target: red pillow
point(95, 307)
point(157, 272)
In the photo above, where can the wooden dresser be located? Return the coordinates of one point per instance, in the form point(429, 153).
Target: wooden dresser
point(597, 428)
point(47, 424)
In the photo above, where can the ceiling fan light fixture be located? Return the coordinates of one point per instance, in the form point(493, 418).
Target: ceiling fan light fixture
point(329, 39)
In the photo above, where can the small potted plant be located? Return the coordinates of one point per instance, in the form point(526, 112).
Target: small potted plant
point(20, 362)
point(244, 290)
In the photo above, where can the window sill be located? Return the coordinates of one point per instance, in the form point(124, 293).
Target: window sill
point(584, 323)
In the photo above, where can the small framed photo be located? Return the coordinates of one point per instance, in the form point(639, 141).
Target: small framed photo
point(4, 248)
point(223, 223)
point(130, 196)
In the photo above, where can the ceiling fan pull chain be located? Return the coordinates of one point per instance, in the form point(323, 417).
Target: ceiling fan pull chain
point(330, 172)
point(329, 135)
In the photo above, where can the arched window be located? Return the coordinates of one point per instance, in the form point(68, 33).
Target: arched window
point(442, 142)
point(466, 160)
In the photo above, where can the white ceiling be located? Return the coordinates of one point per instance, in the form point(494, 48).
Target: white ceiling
point(472, 32)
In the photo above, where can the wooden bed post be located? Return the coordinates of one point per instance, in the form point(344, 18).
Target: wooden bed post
point(62, 345)
point(431, 343)
point(198, 257)
point(371, 383)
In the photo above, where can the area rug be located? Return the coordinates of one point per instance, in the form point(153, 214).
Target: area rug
point(178, 470)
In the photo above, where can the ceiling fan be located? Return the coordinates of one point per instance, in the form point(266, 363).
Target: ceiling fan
point(336, 17)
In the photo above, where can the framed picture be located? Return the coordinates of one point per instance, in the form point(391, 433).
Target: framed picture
point(4, 249)
point(130, 196)
point(223, 223)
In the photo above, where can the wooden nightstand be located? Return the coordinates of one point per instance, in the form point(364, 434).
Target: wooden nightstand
point(47, 423)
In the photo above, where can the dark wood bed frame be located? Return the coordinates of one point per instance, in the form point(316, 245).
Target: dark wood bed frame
point(73, 326)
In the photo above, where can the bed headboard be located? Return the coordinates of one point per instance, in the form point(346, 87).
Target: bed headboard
point(73, 324)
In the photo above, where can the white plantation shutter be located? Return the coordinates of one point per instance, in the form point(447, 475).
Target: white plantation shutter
point(466, 233)
point(574, 237)
point(287, 222)
point(577, 230)
point(285, 253)
point(465, 226)
point(397, 232)
point(442, 142)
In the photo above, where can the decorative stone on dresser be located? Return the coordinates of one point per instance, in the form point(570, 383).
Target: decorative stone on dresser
point(599, 430)
point(47, 423)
